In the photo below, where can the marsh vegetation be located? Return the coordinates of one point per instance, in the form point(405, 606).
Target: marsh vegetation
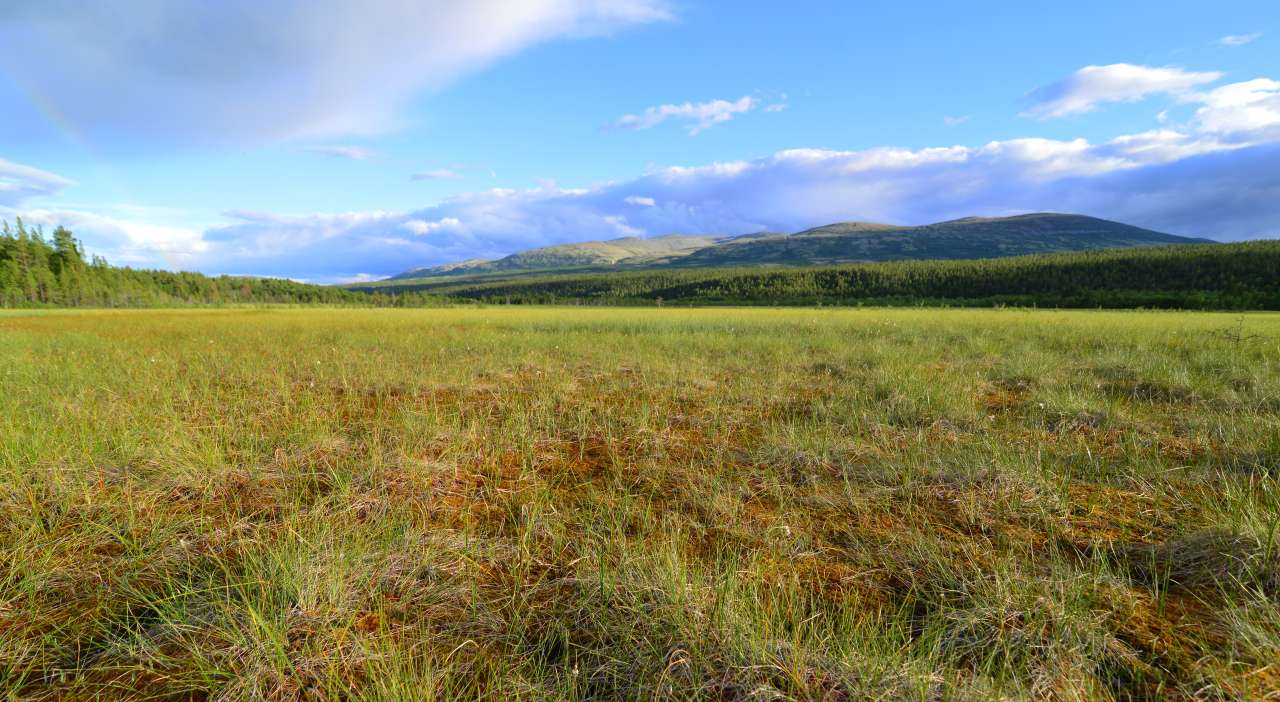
point(561, 504)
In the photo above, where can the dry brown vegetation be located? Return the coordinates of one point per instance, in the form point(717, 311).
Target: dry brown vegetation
point(625, 504)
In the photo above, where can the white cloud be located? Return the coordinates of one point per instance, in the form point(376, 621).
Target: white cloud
point(619, 225)
point(357, 278)
point(1091, 86)
point(1163, 146)
point(230, 71)
point(123, 241)
point(704, 115)
point(1149, 179)
point(776, 107)
point(354, 153)
point(19, 182)
point(955, 121)
point(1212, 175)
point(1245, 111)
point(437, 174)
point(1234, 40)
point(422, 228)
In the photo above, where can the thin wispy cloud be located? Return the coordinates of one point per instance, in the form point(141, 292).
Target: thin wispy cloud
point(1092, 86)
point(246, 72)
point(436, 174)
point(702, 115)
point(1234, 40)
point(351, 153)
point(640, 201)
point(955, 121)
point(19, 182)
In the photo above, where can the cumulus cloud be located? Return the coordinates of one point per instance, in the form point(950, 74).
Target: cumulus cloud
point(1091, 86)
point(421, 227)
point(1234, 40)
point(1213, 175)
point(227, 71)
point(1245, 111)
point(320, 247)
point(1183, 183)
point(703, 115)
point(127, 241)
point(437, 174)
point(354, 153)
point(1165, 180)
point(19, 182)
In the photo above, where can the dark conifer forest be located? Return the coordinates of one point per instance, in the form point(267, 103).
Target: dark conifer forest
point(52, 271)
point(1214, 276)
point(39, 270)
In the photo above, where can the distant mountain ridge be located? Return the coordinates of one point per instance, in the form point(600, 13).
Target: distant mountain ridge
point(629, 251)
point(842, 242)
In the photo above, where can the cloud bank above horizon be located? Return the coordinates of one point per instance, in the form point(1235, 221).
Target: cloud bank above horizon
point(1212, 174)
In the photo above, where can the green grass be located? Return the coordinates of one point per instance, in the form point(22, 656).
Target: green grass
point(572, 504)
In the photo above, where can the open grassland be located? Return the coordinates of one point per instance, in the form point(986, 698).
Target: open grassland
point(556, 504)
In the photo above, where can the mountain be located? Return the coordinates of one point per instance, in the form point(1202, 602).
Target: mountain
point(971, 237)
point(844, 242)
point(630, 251)
point(1224, 276)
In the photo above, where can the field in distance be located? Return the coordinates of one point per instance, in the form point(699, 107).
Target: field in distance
point(567, 504)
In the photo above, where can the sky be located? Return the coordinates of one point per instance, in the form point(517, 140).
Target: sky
point(345, 140)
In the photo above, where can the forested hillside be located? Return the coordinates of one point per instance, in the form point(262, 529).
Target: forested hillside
point(830, 245)
point(968, 238)
point(1224, 276)
point(628, 251)
point(36, 271)
point(40, 271)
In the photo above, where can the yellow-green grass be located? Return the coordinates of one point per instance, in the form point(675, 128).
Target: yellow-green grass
point(548, 504)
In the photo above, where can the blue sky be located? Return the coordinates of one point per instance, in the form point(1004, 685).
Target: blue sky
point(334, 140)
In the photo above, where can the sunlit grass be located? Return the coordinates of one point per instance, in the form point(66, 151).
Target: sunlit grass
point(291, 504)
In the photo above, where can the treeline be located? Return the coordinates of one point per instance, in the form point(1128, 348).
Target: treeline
point(36, 271)
point(1222, 276)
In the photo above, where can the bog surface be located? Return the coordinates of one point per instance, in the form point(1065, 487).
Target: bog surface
point(288, 504)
